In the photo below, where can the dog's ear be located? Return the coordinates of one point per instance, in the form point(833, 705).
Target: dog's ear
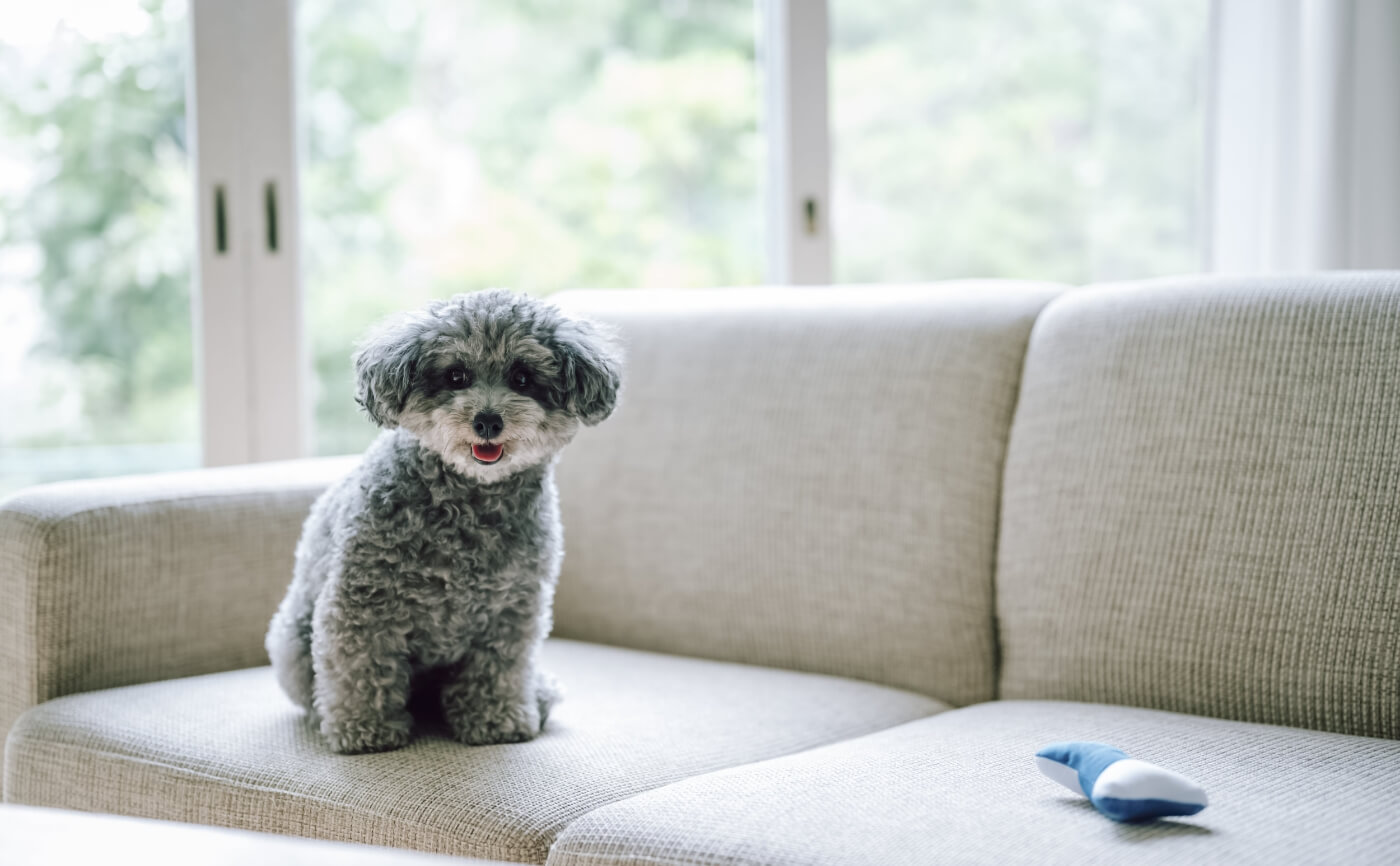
point(385, 366)
point(590, 369)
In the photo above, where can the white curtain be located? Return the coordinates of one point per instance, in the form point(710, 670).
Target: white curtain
point(1305, 135)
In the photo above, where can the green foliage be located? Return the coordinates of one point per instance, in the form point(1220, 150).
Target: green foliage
point(1045, 139)
point(104, 134)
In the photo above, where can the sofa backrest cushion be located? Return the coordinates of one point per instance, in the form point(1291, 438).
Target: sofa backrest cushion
point(1202, 502)
point(802, 478)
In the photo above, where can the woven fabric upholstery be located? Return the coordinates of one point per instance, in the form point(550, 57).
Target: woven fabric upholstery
point(962, 787)
point(803, 478)
point(1202, 502)
point(47, 837)
point(229, 749)
point(125, 580)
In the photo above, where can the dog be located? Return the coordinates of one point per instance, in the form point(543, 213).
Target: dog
point(432, 565)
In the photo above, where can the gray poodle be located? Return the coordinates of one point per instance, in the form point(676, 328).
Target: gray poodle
point(430, 569)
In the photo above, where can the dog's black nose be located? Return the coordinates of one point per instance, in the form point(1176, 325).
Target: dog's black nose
point(488, 425)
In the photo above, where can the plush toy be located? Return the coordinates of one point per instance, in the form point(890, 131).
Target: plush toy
point(1123, 788)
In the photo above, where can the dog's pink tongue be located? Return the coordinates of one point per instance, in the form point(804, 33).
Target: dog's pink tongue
point(487, 453)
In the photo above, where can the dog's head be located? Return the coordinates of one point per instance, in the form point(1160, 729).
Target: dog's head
point(494, 382)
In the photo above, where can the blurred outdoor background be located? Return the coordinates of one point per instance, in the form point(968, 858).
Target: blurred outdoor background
point(450, 146)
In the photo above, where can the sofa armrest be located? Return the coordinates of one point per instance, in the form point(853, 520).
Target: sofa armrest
point(117, 581)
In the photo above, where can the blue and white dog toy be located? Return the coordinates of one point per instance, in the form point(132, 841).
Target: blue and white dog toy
point(1123, 788)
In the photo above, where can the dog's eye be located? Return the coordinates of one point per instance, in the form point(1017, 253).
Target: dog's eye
point(459, 377)
point(519, 379)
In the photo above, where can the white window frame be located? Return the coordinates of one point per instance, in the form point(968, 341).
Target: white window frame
point(794, 38)
point(252, 363)
point(1303, 135)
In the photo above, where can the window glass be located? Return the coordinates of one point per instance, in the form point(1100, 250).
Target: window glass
point(96, 241)
point(1050, 139)
point(454, 146)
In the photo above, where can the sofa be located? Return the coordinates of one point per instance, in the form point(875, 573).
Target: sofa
point(842, 561)
point(31, 836)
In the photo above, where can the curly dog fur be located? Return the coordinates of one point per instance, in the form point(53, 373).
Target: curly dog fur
point(431, 567)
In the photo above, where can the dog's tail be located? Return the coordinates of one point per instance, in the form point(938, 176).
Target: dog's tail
point(548, 692)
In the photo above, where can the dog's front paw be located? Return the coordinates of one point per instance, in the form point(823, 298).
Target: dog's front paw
point(358, 737)
point(496, 725)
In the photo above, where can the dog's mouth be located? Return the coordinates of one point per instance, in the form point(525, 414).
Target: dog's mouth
point(488, 453)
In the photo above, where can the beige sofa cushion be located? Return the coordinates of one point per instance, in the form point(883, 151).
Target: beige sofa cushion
point(229, 749)
point(1202, 502)
point(962, 787)
point(803, 478)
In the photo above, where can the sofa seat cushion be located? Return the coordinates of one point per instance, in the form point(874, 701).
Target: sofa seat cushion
point(230, 749)
point(962, 787)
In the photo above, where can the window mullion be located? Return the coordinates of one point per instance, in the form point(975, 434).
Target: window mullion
point(214, 110)
point(794, 57)
point(250, 360)
point(279, 364)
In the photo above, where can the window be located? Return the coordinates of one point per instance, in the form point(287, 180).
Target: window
point(348, 158)
point(454, 146)
point(96, 361)
point(1043, 139)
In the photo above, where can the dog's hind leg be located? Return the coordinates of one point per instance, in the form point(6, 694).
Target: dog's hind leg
point(289, 647)
point(289, 636)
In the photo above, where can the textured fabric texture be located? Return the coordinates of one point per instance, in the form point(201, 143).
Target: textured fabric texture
point(962, 787)
point(125, 580)
point(229, 749)
point(58, 837)
point(803, 478)
point(1202, 502)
